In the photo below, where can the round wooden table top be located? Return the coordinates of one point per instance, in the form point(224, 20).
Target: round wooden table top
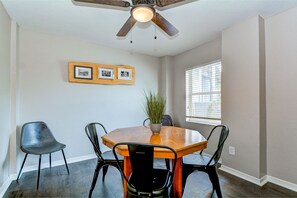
point(184, 141)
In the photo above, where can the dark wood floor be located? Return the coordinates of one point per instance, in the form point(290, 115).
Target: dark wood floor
point(56, 182)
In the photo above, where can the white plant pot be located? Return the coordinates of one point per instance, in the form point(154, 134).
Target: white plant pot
point(155, 128)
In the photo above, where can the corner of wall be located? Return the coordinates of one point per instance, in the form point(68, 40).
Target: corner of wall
point(262, 94)
point(166, 82)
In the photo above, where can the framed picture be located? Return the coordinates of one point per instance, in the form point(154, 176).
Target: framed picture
point(105, 73)
point(124, 74)
point(83, 72)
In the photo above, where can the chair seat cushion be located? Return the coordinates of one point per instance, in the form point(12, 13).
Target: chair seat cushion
point(45, 148)
point(197, 160)
point(161, 178)
point(108, 155)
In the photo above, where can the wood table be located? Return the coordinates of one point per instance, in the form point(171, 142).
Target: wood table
point(184, 141)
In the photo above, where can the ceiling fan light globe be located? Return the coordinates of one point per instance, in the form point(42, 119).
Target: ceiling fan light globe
point(142, 13)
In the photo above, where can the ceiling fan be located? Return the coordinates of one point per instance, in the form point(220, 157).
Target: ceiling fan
point(141, 11)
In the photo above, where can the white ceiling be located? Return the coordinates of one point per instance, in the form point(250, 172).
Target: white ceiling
point(198, 22)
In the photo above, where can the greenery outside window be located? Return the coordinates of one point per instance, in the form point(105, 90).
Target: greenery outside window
point(203, 93)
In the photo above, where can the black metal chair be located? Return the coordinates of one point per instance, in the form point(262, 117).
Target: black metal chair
point(37, 139)
point(207, 164)
point(106, 158)
point(166, 121)
point(145, 180)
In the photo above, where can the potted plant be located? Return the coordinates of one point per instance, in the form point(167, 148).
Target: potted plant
point(155, 109)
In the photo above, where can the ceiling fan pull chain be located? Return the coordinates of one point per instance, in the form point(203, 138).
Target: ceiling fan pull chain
point(155, 27)
point(131, 38)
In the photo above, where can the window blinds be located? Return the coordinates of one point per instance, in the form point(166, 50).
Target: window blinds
point(203, 92)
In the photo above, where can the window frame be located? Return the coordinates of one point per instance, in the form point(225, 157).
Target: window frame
point(202, 120)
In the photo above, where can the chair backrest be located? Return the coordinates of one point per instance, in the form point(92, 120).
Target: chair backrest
point(92, 131)
point(142, 164)
point(166, 121)
point(36, 133)
point(223, 136)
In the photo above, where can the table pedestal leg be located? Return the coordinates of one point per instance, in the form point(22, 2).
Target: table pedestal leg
point(177, 180)
point(127, 172)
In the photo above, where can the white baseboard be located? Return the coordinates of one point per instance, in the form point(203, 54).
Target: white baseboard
point(5, 186)
point(262, 181)
point(283, 183)
point(12, 177)
point(80, 158)
point(254, 180)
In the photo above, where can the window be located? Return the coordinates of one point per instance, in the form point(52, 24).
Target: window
point(203, 94)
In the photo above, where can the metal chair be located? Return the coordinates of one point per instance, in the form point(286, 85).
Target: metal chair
point(106, 158)
point(145, 180)
point(37, 139)
point(167, 120)
point(207, 164)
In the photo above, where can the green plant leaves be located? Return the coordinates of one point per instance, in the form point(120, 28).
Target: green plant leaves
point(155, 107)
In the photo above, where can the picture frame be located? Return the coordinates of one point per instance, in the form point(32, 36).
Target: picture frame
point(124, 74)
point(105, 73)
point(83, 72)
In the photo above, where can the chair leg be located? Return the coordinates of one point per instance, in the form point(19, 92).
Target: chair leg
point(38, 172)
point(96, 173)
point(167, 162)
point(22, 166)
point(65, 161)
point(119, 169)
point(50, 160)
point(213, 176)
point(105, 168)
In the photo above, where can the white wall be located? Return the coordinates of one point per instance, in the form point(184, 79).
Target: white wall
point(4, 94)
point(203, 54)
point(206, 53)
point(241, 95)
point(240, 52)
point(281, 60)
point(46, 94)
point(258, 95)
point(240, 49)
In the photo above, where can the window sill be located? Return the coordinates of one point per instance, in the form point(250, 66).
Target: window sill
point(203, 121)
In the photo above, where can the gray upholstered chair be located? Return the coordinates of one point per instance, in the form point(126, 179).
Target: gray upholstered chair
point(37, 139)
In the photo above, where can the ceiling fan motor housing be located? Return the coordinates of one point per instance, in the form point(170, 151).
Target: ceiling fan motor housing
point(142, 12)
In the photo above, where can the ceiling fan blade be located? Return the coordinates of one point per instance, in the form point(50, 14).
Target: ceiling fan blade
point(163, 3)
point(162, 23)
point(126, 27)
point(107, 2)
